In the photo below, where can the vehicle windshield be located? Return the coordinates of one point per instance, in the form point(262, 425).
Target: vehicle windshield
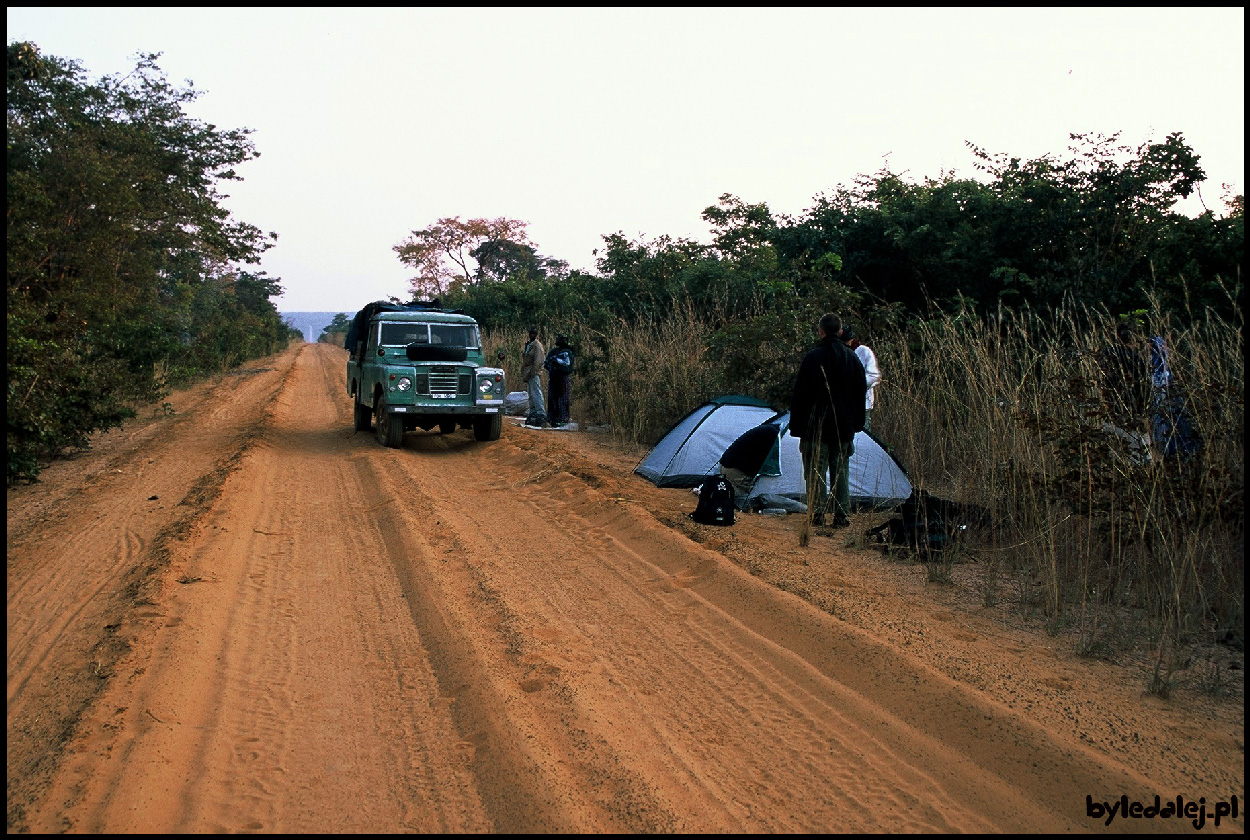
point(401, 334)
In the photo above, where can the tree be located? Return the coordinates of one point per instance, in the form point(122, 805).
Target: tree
point(740, 229)
point(501, 259)
point(115, 235)
point(442, 253)
point(336, 331)
point(1093, 227)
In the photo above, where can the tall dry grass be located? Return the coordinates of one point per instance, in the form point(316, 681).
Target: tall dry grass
point(1014, 413)
point(1010, 413)
point(637, 380)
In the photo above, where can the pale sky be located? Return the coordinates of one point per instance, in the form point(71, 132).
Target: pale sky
point(372, 123)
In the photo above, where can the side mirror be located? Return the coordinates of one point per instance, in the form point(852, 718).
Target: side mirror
point(502, 355)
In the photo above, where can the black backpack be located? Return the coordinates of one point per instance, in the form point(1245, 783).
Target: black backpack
point(559, 363)
point(716, 502)
point(928, 524)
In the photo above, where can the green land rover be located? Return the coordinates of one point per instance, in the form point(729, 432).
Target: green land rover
point(419, 366)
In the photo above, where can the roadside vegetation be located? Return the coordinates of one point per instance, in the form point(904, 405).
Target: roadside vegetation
point(989, 305)
point(1116, 546)
point(336, 331)
point(126, 275)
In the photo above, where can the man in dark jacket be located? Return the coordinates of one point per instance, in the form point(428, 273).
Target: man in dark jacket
point(826, 411)
point(559, 367)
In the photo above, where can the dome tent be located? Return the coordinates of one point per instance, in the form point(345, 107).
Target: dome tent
point(876, 479)
point(690, 451)
point(693, 449)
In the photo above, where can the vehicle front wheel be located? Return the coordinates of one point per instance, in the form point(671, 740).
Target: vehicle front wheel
point(487, 427)
point(363, 416)
point(390, 426)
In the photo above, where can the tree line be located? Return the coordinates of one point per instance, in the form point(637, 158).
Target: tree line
point(1093, 228)
point(126, 276)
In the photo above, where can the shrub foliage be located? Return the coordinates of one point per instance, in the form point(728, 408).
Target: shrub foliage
point(125, 273)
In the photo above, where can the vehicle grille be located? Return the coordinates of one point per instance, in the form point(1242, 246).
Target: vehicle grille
point(444, 380)
point(443, 383)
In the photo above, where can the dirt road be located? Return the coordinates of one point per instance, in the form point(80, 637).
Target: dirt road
point(242, 616)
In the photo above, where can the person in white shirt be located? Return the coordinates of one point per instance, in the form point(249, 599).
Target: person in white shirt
point(871, 372)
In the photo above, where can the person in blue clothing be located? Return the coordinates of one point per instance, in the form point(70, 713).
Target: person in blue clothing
point(559, 367)
point(826, 410)
point(1172, 428)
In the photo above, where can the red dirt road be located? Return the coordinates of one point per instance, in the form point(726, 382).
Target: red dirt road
point(242, 616)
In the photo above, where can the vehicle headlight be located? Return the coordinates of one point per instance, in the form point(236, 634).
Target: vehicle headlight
point(485, 385)
point(404, 384)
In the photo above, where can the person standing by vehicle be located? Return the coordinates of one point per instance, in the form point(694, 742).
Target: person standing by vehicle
point(559, 367)
point(873, 374)
point(826, 410)
point(532, 357)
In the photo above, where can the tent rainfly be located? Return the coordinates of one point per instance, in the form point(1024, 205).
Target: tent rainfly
point(690, 451)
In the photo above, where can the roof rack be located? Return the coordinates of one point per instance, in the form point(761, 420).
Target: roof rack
point(361, 321)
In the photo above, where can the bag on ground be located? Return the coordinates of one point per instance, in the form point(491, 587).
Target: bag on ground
point(928, 524)
point(716, 502)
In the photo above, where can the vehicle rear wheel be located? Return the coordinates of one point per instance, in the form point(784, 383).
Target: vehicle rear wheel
point(390, 426)
point(362, 415)
point(447, 426)
point(487, 427)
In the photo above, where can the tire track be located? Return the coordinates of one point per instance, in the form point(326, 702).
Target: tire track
point(508, 780)
point(633, 802)
point(100, 590)
point(736, 651)
point(281, 695)
point(457, 636)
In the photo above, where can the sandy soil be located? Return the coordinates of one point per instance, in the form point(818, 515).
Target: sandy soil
point(238, 615)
